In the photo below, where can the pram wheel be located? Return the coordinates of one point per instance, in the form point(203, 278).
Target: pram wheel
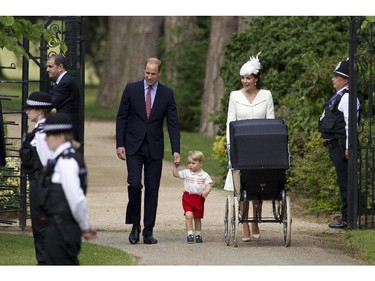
point(235, 221)
point(287, 221)
point(227, 218)
point(276, 210)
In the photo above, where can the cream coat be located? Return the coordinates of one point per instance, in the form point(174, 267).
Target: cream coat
point(239, 108)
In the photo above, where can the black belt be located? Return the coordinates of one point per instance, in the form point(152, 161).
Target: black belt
point(333, 143)
point(328, 143)
point(63, 219)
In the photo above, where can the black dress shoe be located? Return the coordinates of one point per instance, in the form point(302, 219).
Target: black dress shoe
point(134, 234)
point(338, 224)
point(149, 239)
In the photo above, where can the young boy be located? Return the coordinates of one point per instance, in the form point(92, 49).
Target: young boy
point(197, 186)
point(34, 154)
point(64, 182)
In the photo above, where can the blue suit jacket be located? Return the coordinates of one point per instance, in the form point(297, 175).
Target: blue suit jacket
point(132, 125)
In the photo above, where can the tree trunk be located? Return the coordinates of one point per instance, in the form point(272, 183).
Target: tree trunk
point(131, 41)
point(222, 29)
point(176, 30)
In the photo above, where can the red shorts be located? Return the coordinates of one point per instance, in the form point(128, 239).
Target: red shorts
point(193, 203)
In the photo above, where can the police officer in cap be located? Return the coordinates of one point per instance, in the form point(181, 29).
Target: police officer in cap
point(333, 125)
point(34, 154)
point(64, 183)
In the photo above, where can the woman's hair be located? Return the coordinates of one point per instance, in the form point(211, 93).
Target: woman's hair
point(46, 111)
point(196, 155)
point(69, 136)
point(259, 83)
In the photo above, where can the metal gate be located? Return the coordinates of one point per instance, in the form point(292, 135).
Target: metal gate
point(361, 192)
point(14, 206)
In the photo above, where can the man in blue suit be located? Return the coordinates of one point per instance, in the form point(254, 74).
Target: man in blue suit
point(140, 141)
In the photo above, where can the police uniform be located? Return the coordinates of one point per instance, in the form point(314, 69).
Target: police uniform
point(34, 154)
point(64, 182)
point(333, 125)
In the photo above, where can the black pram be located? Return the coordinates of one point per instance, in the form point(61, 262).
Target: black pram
point(259, 158)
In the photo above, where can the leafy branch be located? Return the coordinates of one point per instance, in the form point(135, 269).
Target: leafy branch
point(13, 30)
point(368, 20)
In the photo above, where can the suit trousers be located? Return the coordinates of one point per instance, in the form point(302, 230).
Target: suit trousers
point(336, 150)
point(152, 173)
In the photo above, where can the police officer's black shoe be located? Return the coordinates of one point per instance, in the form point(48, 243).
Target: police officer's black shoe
point(338, 224)
point(134, 234)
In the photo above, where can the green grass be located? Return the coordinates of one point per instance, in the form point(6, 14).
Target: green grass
point(94, 112)
point(18, 249)
point(363, 243)
point(92, 254)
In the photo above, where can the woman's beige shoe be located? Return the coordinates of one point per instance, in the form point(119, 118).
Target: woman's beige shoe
point(256, 236)
point(246, 233)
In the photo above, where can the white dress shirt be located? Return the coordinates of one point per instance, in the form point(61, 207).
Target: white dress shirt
point(344, 108)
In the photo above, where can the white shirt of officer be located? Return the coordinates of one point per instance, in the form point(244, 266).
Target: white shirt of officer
point(66, 173)
point(39, 142)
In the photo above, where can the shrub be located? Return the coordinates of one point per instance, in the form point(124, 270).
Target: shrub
point(314, 176)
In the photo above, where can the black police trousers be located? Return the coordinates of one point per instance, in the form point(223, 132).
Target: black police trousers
point(336, 150)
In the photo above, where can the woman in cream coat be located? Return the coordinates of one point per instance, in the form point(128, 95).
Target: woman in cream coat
point(251, 102)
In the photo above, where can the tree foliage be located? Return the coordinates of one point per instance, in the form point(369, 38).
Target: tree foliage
point(97, 42)
point(190, 59)
point(13, 30)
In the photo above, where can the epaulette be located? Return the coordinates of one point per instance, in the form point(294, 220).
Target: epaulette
point(67, 153)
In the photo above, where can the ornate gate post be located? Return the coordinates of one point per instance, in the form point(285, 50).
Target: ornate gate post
point(353, 133)
point(361, 193)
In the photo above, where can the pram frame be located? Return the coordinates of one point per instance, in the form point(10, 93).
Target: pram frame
point(234, 216)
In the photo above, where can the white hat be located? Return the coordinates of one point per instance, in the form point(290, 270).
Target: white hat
point(251, 67)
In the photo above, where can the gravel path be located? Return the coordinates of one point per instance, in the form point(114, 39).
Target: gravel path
point(107, 199)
